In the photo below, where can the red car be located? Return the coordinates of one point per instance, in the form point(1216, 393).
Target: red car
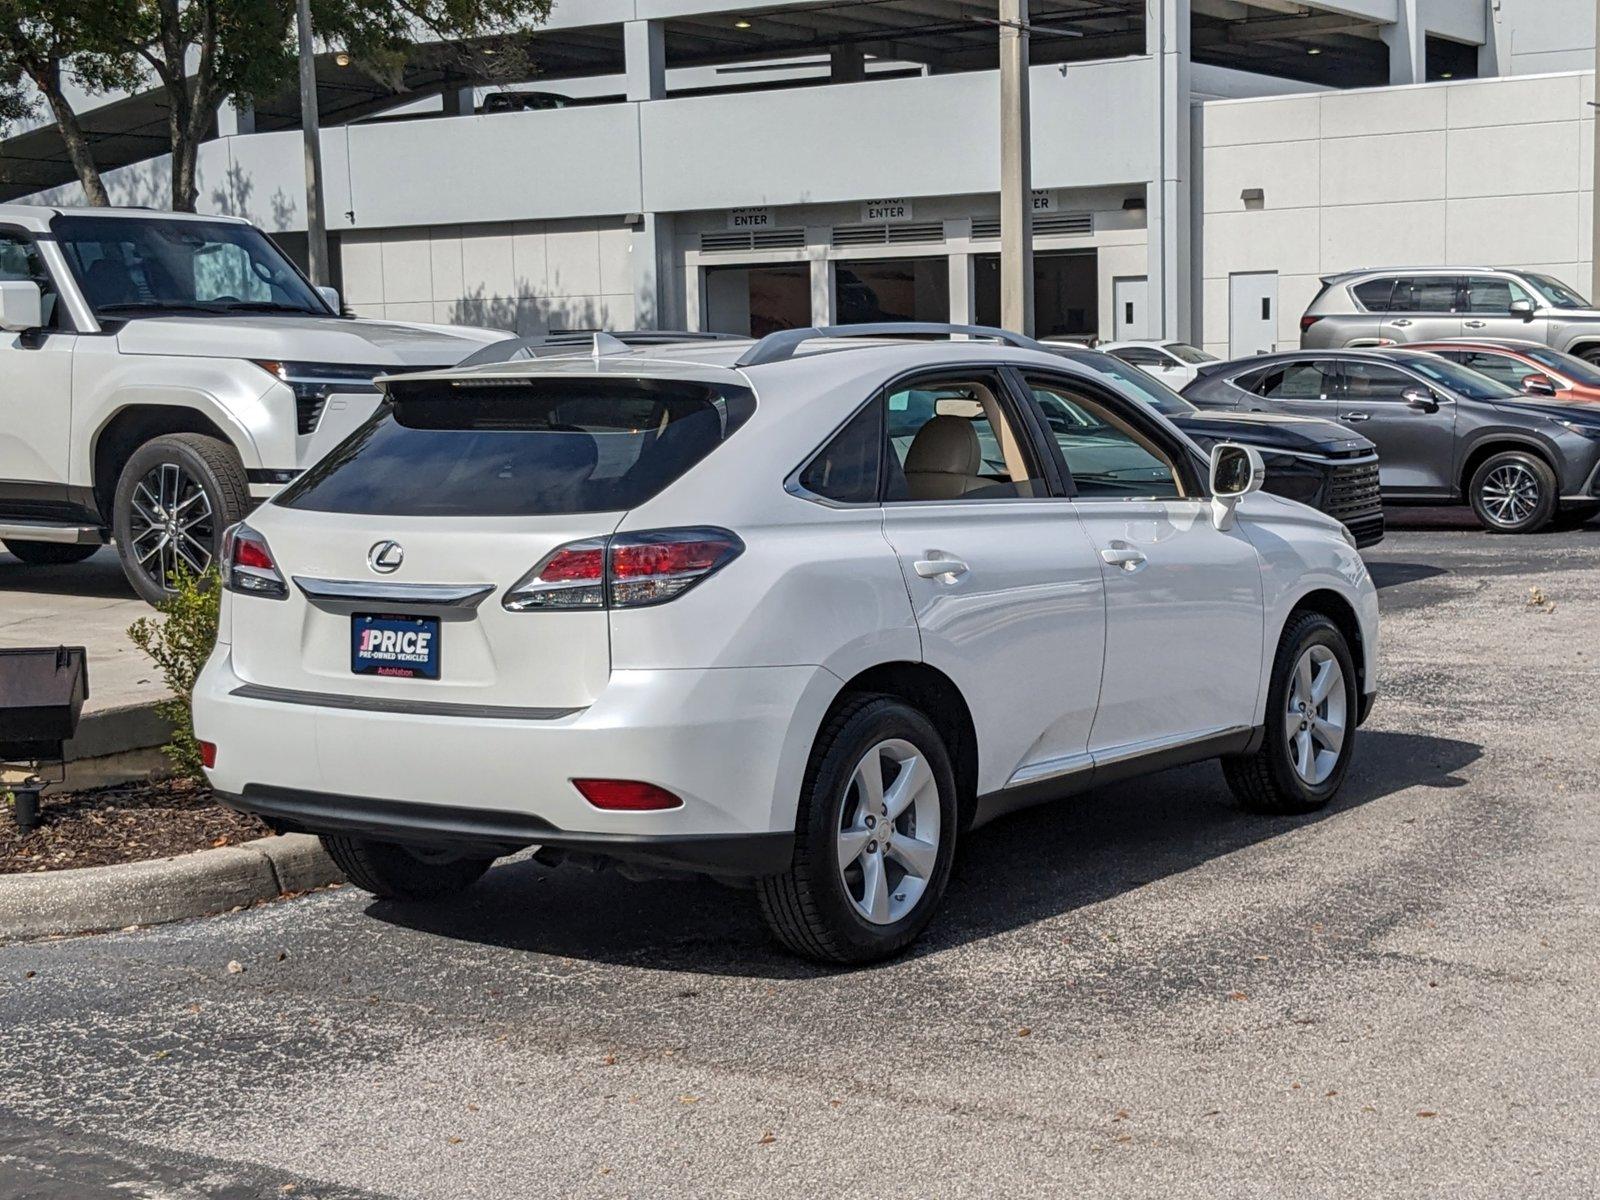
point(1531, 368)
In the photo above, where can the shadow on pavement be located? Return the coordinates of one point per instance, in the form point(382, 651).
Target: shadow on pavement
point(1027, 867)
point(100, 576)
point(1390, 574)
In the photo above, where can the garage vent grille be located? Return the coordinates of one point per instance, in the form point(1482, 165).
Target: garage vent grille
point(752, 239)
point(910, 233)
point(987, 229)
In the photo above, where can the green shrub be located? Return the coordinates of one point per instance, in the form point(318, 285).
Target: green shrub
point(179, 642)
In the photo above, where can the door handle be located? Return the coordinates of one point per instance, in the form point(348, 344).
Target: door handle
point(1476, 324)
point(1401, 321)
point(939, 565)
point(1119, 554)
point(1357, 417)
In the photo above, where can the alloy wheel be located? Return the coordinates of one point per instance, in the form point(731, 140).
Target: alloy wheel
point(172, 524)
point(1314, 725)
point(888, 841)
point(1510, 494)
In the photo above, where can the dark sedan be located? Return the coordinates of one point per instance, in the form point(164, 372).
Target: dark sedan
point(1315, 462)
point(1445, 433)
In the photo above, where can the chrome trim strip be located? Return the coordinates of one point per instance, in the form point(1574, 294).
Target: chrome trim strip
point(1071, 764)
point(70, 535)
point(389, 704)
point(432, 595)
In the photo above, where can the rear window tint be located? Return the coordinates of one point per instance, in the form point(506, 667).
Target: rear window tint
point(540, 447)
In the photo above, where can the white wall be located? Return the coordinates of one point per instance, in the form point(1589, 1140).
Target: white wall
point(1471, 173)
point(529, 276)
point(1539, 36)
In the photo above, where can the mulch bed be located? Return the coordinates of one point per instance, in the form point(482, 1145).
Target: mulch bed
point(127, 823)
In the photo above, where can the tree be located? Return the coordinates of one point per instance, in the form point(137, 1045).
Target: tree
point(38, 39)
point(202, 52)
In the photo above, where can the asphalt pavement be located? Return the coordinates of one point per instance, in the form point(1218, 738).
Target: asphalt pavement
point(1140, 992)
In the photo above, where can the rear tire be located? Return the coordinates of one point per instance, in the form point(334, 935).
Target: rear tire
point(187, 483)
point(1514, 491)
point(1290, 774)
point(871, 859)
point(391, 871)
point(49, 554)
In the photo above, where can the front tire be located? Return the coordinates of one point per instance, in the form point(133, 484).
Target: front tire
point(1311, 724)
point(49, 554)
point(1513, 491)
point(391, 871)
point(874, 837)
point(175, 496)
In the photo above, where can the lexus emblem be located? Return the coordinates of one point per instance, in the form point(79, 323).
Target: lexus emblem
point(385, 557)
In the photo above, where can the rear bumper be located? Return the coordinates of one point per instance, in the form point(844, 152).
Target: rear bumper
point(731, 743)
point(494, 833)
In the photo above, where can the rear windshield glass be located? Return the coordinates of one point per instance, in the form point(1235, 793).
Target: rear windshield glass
point(540, 447)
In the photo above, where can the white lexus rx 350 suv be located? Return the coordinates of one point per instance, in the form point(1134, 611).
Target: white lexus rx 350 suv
point(800, 612)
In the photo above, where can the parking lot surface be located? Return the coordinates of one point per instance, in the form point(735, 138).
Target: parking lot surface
point(1141, 992)
point(86, 604)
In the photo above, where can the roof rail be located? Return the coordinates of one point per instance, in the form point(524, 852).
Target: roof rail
point(576, 341)
point(777, 347)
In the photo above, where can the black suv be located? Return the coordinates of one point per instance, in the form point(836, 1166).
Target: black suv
point(1444, 433)
point(1313, 461)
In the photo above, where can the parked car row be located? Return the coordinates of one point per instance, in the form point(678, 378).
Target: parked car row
point(1445, 433)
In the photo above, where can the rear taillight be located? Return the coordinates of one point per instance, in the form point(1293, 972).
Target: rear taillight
point(208, 754)
point(627, 570)
point(626, 795)
point(248, 567)
point(1307, 321)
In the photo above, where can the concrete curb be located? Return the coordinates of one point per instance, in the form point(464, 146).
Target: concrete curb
point(89, 899)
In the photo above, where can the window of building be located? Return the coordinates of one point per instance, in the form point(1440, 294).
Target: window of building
point(757, 300)
point(891, 289)
point(1066, 292)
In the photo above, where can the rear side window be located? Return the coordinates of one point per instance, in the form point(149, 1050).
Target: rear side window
point(1374, 294)
point(530, 448)
point(846, 471)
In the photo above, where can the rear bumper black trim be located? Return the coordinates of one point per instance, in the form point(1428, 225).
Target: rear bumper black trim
point(382, 704)
point(498, 833)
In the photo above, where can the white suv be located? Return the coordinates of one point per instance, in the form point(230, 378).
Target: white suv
point(801, 612)
point(160, 373)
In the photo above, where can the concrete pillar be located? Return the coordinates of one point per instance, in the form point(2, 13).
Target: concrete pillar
point(235, 117)
point(656, 304)
point(847, 64)
point(644, 52)
point(824, 307)
point(1167, 195)
point(1408, 46)
point(1016, 172)
point(963, 280)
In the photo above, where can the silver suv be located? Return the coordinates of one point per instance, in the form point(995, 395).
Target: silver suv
point(1424, 304)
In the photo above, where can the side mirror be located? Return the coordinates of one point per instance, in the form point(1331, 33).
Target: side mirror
point(1236, 471)
point(1538, 385)
point(1523, 309)
point(1420, 399)
point(330, 297)
point(21, 306)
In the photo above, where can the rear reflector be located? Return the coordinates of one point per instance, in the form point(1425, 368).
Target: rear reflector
point(626, 795)
point(208, 754)
point(627, 570)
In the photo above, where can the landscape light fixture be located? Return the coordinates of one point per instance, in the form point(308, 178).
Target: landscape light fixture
point(741, 23)
point(1314, 50)
point(342, 59)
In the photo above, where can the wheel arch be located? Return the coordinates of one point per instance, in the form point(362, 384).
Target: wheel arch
point(132, 426)
point(935, 694)
point(1495, 443)
point(1342, 613)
